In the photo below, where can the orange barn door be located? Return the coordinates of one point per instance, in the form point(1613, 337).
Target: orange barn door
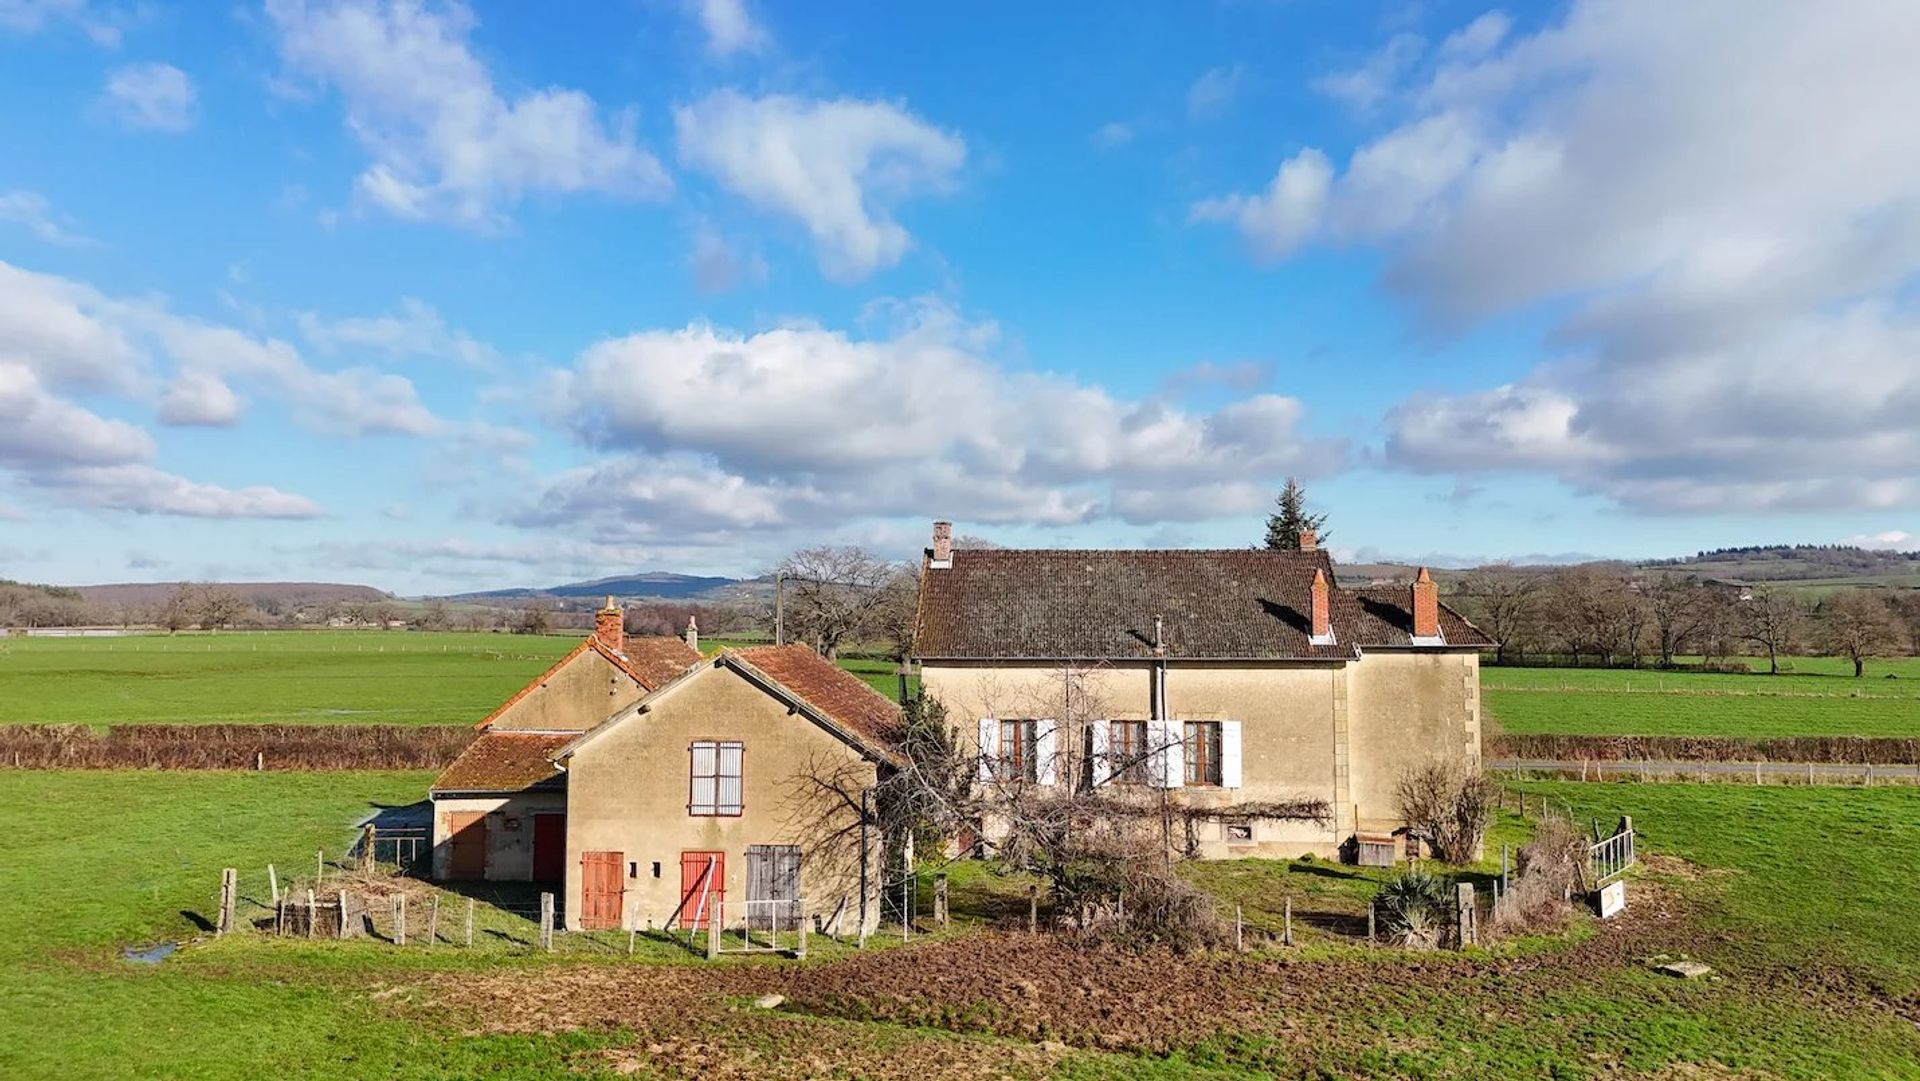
point(467, 832)
point(696, 876)
point(602, 889)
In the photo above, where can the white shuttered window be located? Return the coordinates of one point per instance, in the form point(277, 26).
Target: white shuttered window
point(714, 784)
point(1230, 754)
point(1166, 758)
point(989, 746)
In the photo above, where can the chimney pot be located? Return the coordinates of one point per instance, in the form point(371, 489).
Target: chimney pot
point(942, 544)
point(1426, 606)
point(693, 634)
point(609, 626)
point(1309, 540)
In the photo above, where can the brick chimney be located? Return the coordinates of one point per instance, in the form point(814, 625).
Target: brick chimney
point(942, 550)
point(1426, 606)
point(693, 634)
point(609, 626)
point(1309, 539)
point(1322, 607)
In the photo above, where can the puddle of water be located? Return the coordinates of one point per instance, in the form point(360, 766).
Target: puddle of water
point(149, 955)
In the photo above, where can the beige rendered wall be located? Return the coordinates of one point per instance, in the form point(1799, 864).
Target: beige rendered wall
point(627, 792)
point(1409, 708)
point(509, 831)
point(588, 690)
point(1287, 714)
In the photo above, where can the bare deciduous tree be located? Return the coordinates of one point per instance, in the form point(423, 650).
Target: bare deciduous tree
point(1449, 806)
point(835, 593)
point(1857, 624)
point(1769, 619)
point(1501, 601)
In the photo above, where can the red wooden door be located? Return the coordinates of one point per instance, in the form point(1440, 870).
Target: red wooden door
point(467, 836)
point(701, 871)
point(601, 890)
point(549, 847)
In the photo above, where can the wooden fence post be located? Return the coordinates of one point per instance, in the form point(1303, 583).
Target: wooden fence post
point(366, 848)
point(713, 934)
point(1288, 939)
point(1465, 896)
point(319, 865)
point(1033, 909)
point(433, 921)
point(342, 927)
point(1373, 910)
point(801, 951)
point(940, 899)
point(469, 923)
point(259, 761)
point(313, 913)
point(546, 921)
point(229, 887)
point(1239, 930)
point(273, 885)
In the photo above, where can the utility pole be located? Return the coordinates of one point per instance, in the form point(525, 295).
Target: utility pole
point(779, 608)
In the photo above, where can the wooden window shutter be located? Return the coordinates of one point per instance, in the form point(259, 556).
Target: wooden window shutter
point(1167, 763)
point(1230, 754)
point(1046, 745)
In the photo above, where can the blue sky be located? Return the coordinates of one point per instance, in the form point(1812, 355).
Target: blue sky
point(437, 297)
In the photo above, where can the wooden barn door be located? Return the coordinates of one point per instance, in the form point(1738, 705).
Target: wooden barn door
point(549, 847)
point(773, 874)
point(602, 889)
point(694, 876)
point(468, 839)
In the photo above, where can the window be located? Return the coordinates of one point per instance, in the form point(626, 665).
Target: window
point(715, 787)
point(1127, 751)
point(1239, 833)
point(1019, 751)
point(1203, 752)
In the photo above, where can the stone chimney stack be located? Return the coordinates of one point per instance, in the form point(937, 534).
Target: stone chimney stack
point(1426, 606)
point(1309, 540)
point(943, 544)
point(693, 634)
point(609, 626)
point(1322, 607)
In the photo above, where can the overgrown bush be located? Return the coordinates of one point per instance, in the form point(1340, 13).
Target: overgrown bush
point(1449, 806)
point(1413, 905)
point(1547, 871)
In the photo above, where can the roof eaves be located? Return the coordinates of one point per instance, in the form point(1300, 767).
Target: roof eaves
point(859, 741)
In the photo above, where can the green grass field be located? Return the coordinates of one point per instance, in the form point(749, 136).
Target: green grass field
point(1795, 881)
point(1819, 697)
point(295, 677)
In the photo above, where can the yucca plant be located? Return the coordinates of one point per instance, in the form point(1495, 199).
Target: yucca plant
point(1413, 906)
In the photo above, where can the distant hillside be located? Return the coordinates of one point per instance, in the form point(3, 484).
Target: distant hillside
point(266, 596)
point(1798, 563)
point(655, 585)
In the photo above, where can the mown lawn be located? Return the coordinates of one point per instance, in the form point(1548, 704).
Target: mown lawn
point(293, 677)
point(1819, 697)
point(95, 860)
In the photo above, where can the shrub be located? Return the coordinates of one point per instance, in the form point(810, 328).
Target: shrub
point(1547, 870)
point(1448, 805)
point(1414, 906)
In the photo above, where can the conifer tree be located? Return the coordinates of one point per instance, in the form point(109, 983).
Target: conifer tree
point(1285, 525)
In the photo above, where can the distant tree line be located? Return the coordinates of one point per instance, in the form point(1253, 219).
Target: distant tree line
point(1610, 614)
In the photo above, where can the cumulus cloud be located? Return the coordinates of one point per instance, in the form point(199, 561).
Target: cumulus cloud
point(445, 144)
point(30, 210)
point(1717, 200)
point(199, 399)
point(837, 167)
point(821, 427)
point(1896, 540)
point(151, 96)
point(730, 27)
point(143, 489)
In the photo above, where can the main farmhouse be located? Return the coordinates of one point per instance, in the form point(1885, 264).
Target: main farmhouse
point(1225, 678)
point(657, 787)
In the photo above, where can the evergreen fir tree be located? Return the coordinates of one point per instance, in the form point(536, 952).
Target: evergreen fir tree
point(1284, 526)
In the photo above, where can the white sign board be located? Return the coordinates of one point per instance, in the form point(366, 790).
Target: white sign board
point(1613, 899)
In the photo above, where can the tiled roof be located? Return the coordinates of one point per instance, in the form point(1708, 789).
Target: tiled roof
point(837, 693)
point(505, 762)
point(1008, 603)
point(657, 659)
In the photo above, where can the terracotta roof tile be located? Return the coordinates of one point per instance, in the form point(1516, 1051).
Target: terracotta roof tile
point(834, 691)
point(658, 659)
point(1009, 603)
point(505, 762)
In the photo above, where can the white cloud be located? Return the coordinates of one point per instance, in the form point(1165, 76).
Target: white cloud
point(1719, 202)
point(416, 330)
point(1111, 136)
point(39, 430)
point(1215, 90)
point(1897, 540)
point(838, 167)
point(730, 27)
point(32, 16)
point(820, 428)
point(200, 399)
point(718, 267)
point(1477, 38)
point(150, 96)
point(31, 210)
point(1366, 86)
point(143, 489)
point(446, 145)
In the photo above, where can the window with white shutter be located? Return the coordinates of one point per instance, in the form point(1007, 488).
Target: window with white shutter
point(1099, 753)
point(1203, 752)
point(1230, 756)
point(989, 747)
point(1045, 751)
point(1166, 758)
point(715, 777)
